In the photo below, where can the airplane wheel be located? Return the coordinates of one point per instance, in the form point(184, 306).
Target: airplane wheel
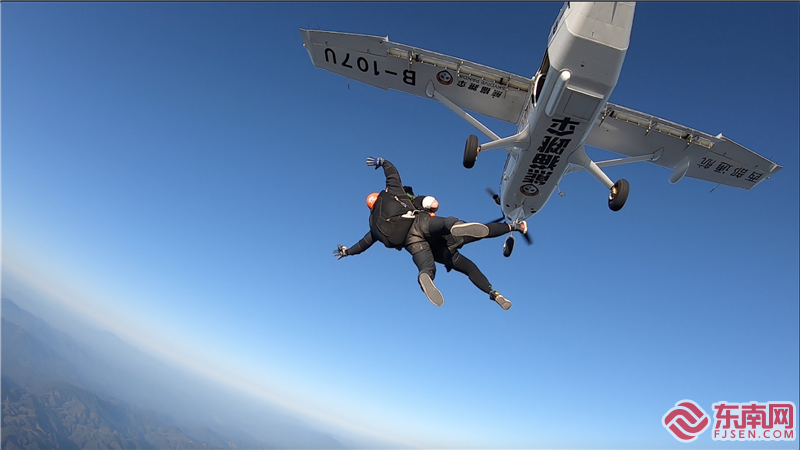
point(618, 195)
point(508, 246)
point(471, 151)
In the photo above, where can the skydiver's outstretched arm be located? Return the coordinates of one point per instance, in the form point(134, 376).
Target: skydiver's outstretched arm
point(393, 184)
point(360, 246)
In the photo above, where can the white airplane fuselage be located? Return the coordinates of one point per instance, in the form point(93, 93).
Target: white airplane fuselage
point(585, 52)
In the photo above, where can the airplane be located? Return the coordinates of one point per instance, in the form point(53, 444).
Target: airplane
point(558, 111)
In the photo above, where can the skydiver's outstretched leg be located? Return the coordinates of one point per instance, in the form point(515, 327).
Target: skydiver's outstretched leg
point(423, 259)
point(438, 226)
point(464, 265)
point(496, 229)
point(426, 227)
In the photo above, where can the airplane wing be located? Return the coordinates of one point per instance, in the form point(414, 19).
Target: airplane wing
point(686, 151)
point(377, 61)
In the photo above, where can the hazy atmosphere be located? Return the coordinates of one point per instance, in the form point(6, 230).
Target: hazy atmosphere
point(176, 177)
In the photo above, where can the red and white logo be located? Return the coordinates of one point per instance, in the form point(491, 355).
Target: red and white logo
point(754, 421)
point(686, 421)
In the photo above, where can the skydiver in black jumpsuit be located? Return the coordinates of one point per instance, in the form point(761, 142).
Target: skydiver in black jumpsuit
point(394, 221)
point(445, 248)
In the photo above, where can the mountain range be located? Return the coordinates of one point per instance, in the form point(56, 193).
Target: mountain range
point(63, 392)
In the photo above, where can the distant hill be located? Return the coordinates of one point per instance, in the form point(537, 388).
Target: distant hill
point(54, 397)
point(57, 415)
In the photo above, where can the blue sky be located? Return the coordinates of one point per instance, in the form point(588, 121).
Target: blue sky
point(180, 173)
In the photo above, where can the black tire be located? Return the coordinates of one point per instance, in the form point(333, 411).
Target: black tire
point(471, 151)
point(617, 201)
point(508, 246)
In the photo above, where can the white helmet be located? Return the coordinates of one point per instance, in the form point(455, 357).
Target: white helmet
point(429, 202)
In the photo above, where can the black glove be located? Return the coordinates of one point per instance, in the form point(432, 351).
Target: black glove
point(377, 162)
point(340, 252)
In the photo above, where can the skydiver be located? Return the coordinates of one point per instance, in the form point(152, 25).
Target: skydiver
point(445, 248)
point(394, 221)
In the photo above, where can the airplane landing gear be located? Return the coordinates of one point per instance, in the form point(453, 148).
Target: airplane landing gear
point(471, 151)
point(618, 195)
point(618, 191)
point(508, 246)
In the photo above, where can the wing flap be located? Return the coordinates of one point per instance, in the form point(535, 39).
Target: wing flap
point(712, 158)
point(377, 61)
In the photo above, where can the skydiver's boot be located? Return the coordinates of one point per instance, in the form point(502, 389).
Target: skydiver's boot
point(472, 229)
point(430, 290)
point(502, 301)
point(521, 226)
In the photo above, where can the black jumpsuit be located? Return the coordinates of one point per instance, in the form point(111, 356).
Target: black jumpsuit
point(445, 251)
point(393, 221)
